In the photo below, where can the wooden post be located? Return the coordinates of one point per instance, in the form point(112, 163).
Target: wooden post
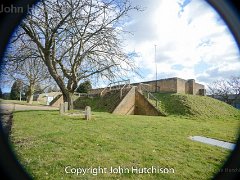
point(88, 113)
point(61, 108)
point(65, 106)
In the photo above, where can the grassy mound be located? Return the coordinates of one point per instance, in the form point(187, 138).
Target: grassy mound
point(94, 103)
point(171, 104)
point(199, 106)
point(101, 104)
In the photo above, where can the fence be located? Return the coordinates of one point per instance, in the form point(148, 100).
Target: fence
point(116, 85)
point(149, 94)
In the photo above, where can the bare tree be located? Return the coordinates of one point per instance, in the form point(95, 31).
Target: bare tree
point(234, 83)
point(22, 62)
point(77, 39)
point(227, 90)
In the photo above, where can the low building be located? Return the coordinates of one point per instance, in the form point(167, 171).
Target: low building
point(175, 85)
point(169, 85)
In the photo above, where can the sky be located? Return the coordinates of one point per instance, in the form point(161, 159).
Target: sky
point(192, 41)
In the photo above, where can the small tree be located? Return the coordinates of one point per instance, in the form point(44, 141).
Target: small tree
point(234, 83)
point(22, 63)
point(6, 96)
point(224, 89)
point(84, 87)
point(1, 95)
point(16, 89)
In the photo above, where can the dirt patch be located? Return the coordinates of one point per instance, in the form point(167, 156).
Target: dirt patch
point(73, 114)
point(6, 120)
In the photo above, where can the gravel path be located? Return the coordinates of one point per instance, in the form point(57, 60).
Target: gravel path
point(19, 107)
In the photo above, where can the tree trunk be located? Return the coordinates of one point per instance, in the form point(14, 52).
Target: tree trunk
point(30, 99)
point(68, 97)
point(67, 94)
point(30, 94)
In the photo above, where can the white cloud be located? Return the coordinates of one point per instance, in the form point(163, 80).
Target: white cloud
point(192, 36)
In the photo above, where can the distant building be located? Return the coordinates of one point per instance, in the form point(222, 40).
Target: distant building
point(175, 85)
point(169, 85)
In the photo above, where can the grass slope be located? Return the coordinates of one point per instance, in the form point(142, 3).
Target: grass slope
point(106, 103)
point(196, 106)
point(46, 143)
point(171, 104)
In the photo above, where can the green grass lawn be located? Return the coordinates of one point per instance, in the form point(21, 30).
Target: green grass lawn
point(46, 143)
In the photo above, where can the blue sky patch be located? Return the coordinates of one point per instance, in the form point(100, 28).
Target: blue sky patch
point(177, 67)
point(201, 67)
point(182, 6)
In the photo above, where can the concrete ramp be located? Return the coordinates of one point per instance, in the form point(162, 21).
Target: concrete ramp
point(135, 103)
point(127, 104)
point(57, 101)
point(144, 107)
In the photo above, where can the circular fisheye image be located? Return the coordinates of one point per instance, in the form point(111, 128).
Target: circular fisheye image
point(121, 89)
